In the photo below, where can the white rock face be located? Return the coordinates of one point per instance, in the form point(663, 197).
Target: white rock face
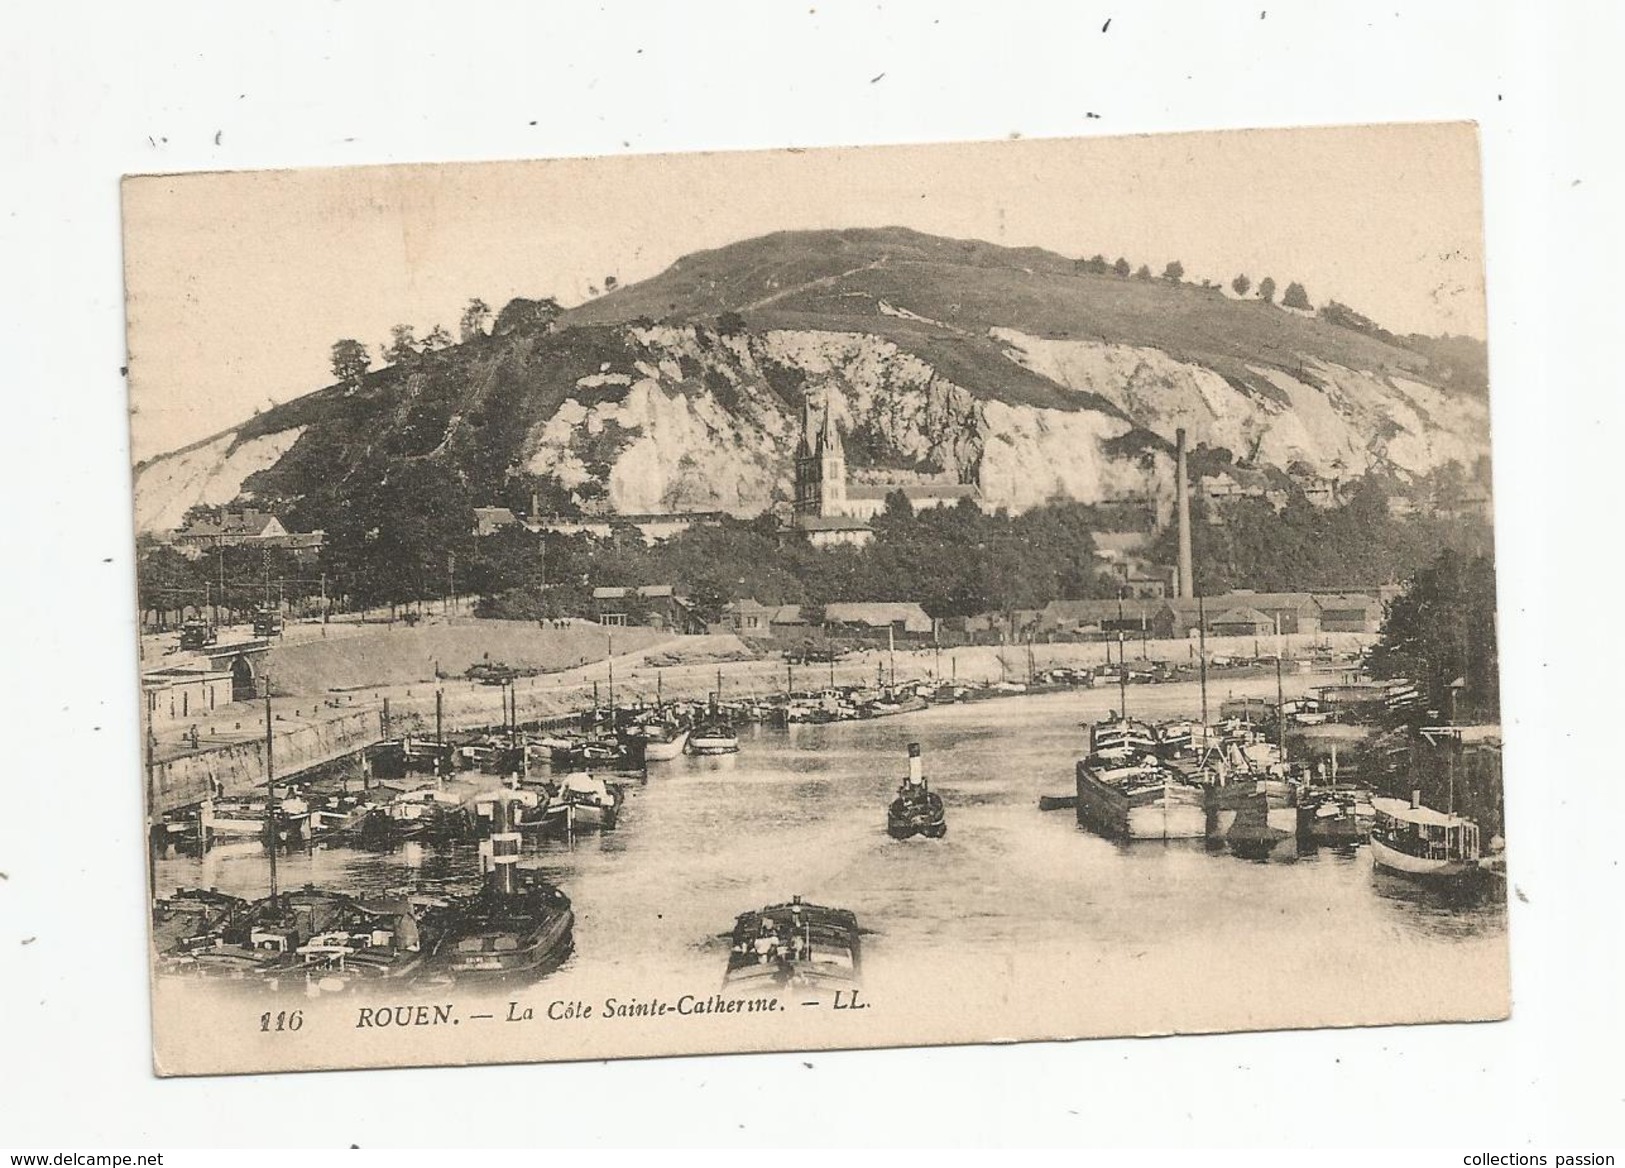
point(167, 486)
point(702, 422)
point(1356, 420)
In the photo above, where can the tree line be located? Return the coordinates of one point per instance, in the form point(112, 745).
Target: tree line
point(1296, 296)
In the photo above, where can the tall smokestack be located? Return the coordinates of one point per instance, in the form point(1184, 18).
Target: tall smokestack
point(1187, 575)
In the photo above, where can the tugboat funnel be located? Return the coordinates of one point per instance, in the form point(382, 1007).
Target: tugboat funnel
point(916, 765)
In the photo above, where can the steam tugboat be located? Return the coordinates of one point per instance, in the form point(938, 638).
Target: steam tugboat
point(917, 810)
point(516, 926)
point(806, 946)
point(714, 735)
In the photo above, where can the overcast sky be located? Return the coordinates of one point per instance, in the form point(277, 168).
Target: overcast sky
point(238, 283)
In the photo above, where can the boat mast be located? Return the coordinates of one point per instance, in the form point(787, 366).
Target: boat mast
point(270, 789)
point(1122, 678)
point(1280, 709)
point(1201, 653)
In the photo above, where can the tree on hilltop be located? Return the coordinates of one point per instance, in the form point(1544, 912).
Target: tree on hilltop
point(1295, 296)
point(1240, 284)
point(1144, 272)
point(475, 317)
point(402, 344)
point(1266, 289)
point(1175, 271)
point(520, 313)
point(350, 362)
point(1121, 267)
point(437, 339)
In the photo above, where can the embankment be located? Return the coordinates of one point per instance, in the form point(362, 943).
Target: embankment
point(386, 655)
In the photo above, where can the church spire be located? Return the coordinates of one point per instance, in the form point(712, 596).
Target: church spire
point(831, 463)
point(829, 438)
point(804, 447)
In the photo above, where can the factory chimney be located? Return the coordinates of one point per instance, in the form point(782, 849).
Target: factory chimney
point(1187, 575)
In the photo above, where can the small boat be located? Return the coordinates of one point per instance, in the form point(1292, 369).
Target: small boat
point(662, 741)
point(1417, 841)
point(192, 920)
point(599, 753)
point(713, 735)
point(917, 810)
point(1125, 792)
point(421, 814)
point(807, 947)
point(303, 937)
point(584, 801)
point(1334, 816)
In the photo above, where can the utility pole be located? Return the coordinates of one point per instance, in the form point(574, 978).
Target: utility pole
point(1280, 694)
point(270, 790)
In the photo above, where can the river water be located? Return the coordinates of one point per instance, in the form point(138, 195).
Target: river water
point(1019, 923)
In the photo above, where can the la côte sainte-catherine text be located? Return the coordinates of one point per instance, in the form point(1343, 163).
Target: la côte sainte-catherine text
point(611, 1009)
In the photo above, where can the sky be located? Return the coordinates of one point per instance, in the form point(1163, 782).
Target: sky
point(238, 283)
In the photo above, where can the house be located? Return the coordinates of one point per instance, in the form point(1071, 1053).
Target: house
point(1241, 622)
point(181, 692)
point(748, 618)
point(1289, 613)
point(1351, 612)
point(789, 621)
point(1133, 616)
point(832, 530)
point(899, 616)
point(248, 526)
point(866, 500)
point(306, 546)
point(490, 520)
point(655, 606)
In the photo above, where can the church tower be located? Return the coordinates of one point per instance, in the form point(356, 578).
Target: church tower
point(831, 466)
point(808, 499)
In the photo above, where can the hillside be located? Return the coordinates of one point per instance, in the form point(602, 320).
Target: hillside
point(961, 360)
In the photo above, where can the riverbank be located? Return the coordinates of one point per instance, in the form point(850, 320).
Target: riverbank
point(313, 728)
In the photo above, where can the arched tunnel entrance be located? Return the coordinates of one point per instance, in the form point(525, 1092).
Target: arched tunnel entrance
point(243, 688)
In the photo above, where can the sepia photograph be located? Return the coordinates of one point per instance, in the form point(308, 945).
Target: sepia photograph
point(816, 599)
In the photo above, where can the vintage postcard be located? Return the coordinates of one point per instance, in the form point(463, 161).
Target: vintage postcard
point(816, 599)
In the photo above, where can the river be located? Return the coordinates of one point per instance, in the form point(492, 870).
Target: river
point(1018, 924)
